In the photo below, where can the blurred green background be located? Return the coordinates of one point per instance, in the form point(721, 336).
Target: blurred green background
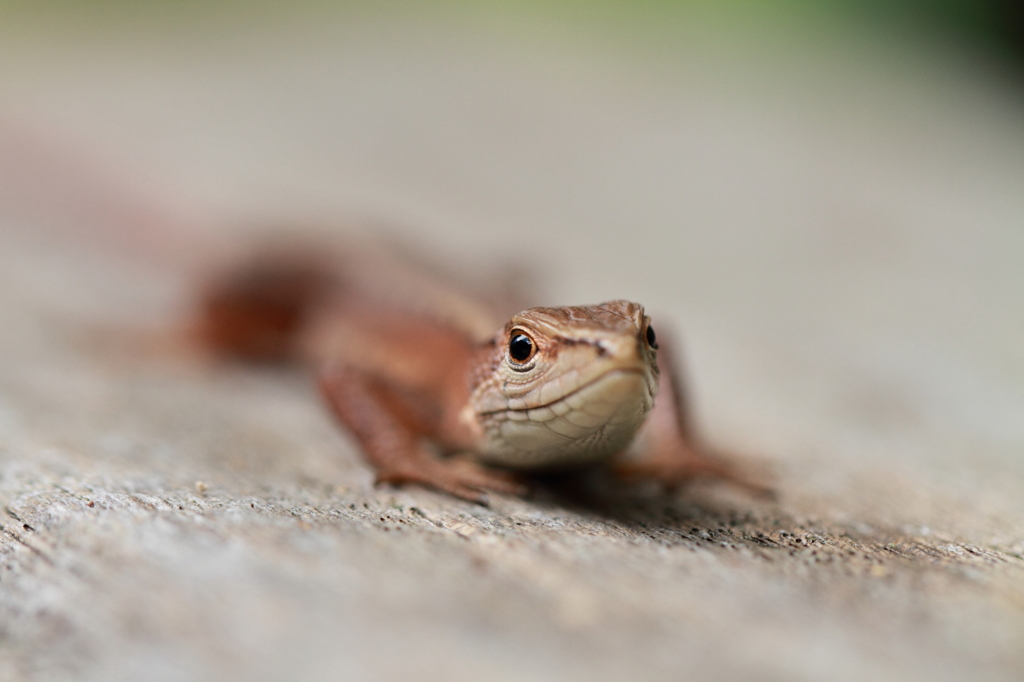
point(993, 26)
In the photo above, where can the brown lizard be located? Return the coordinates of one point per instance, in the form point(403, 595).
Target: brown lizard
point(415, 368)
point(550, 388)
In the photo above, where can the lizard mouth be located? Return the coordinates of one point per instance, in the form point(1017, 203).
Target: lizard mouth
point(600, 378)
point(589, 423)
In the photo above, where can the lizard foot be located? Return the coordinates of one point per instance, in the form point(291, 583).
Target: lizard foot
point(673, 472)
point(461, 478)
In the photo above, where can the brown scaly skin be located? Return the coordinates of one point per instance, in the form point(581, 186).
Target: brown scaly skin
point(413, 389)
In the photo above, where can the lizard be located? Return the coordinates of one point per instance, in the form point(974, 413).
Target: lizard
point(418, 371)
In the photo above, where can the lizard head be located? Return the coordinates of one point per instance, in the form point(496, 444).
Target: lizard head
point(565, 385)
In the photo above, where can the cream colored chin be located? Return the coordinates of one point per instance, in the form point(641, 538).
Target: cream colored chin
point(590, 424)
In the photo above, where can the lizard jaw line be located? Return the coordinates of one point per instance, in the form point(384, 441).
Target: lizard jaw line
point(578, 389)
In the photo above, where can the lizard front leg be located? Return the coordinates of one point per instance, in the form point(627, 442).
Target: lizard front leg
point(671, 453)
point(371, 410)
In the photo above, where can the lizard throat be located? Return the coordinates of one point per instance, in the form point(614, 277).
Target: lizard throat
point(592, 422)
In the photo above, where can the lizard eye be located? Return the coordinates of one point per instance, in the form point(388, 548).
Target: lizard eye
point(521, 347)
point(652, 339)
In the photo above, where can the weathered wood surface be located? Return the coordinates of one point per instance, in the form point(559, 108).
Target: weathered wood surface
point(849, 287)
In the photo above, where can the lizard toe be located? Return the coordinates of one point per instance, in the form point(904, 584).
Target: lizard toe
point(462, 479)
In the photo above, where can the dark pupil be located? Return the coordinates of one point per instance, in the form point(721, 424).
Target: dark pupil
point(652, 340)
point(520, 347)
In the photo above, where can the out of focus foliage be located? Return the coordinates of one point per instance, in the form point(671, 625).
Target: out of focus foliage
point(994, 26)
